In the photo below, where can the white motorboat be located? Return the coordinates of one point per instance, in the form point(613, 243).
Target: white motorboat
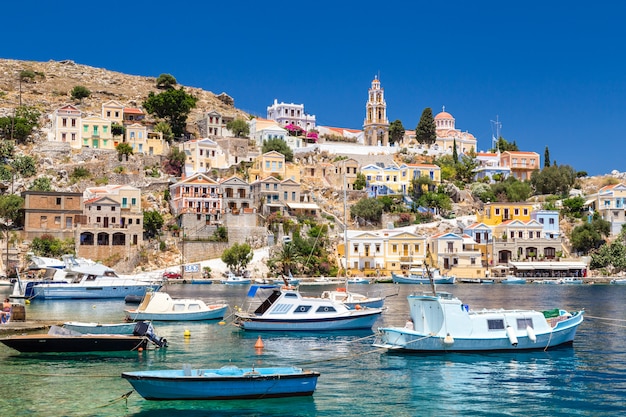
point(83, 280)
point(442, 323)
point(286, 309)
point(233, 279)
point(160, 306)
point(353, 300)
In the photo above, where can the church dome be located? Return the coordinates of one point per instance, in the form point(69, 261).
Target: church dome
point(443, 115)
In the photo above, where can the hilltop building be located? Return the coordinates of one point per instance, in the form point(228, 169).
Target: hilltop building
point(291, 114)
point(376, 124)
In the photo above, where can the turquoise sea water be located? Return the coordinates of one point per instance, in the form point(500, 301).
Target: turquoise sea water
point(587, 379)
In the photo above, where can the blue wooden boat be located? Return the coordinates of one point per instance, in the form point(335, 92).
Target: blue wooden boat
point(510, 279)
point(226, 383)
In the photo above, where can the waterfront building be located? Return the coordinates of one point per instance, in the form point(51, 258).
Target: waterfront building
point(516, 240)
point(495, 213)
point(381, 252)
point(197, 195)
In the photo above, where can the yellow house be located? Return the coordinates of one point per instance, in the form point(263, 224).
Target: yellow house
point(114, 111)
point(381, 252)
point(456, 255)
point(96, 133)
point(156, 145)
point(415, 171)
point(384, 180)
point(273, 164)
point(495, 213)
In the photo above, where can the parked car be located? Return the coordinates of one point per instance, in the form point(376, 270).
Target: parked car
point(172, 275)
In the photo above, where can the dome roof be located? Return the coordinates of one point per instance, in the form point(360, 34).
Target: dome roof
point(444, 115)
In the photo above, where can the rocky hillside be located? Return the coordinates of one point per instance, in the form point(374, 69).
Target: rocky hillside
point(53, 81)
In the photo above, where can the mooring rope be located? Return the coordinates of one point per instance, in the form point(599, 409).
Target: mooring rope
point(340, 358)
point(347, 342)
point(603, 318)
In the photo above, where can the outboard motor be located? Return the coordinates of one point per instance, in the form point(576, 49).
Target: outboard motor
point(144, 328)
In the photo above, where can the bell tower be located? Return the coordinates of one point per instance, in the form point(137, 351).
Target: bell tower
point(376, 125)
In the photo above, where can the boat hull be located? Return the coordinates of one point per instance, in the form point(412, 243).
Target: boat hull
point(70, 291)
point(68, 344)
point(214, 314)
point(99, 328)
point(400, 279)
point(351, 322)
point(373, 303)
point(222, 384)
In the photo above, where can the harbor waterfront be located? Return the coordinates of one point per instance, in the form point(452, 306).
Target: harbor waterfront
point(585, 379)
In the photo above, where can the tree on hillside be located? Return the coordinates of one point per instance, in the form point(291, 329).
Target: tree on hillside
point(546, 158)
point(152, 223)
point(426, 130)
point(368, 209)
point(41, 184)
point(512, 190)
point(502, 145)
point(48, 245)
point(280, 146)
point(117, 129)
point(455, 153)
point(20, 126)
point(80, 92)
point(166, 82)
point(123, 149)
point(11, 206)
point(439, 201)
point(166, 130)
point(175, 162)
point(553, 180)
point(237, 257)
point(396, 132)
point(589, 235)
point(239, 127)
point(610, 256)
point(172, 105)
point(466, 167)
point(360, 182)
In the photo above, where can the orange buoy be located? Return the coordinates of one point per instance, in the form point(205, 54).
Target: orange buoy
point(140, 349)
point(357, 307)
point(259, 343)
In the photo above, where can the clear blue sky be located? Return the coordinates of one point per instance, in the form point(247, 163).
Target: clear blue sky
point(551, 71)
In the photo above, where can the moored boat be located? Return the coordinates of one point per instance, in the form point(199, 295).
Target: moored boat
point(160, 306)
point(511, 279)
point(419, 276)
point(100, 328)
point(63, 340)
point(442, 323)
point(353, 300)
point(233, 279)
point(87, 280)
point(286, 309)
point(225, 383)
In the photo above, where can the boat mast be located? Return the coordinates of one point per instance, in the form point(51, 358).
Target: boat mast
point(345, 222)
